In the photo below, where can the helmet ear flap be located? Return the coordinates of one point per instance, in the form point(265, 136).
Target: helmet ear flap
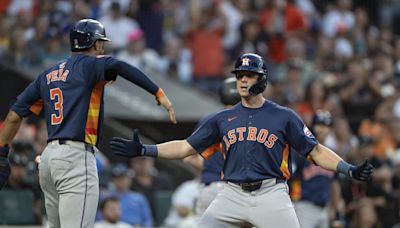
point(260, 86)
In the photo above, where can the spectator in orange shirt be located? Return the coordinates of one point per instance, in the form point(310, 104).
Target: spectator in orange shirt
point(281, 19)
point(205, 35)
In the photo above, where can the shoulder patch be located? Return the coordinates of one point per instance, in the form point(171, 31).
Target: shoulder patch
point(307, 132)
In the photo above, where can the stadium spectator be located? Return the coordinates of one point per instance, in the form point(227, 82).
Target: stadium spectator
point(135, 209)
point(137, 54)
point(281, 20)
point(111, 211)
point(22, 176)
point(148, 180)
point(118, 26)
point(205, 36)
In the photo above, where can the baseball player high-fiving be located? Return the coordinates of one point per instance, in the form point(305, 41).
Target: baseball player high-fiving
point(71, 96)
point(257, 136)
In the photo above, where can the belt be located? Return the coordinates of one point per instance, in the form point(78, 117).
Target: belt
point(250, 186)
point(253, 186)
point(320, 204)
point(88, 147)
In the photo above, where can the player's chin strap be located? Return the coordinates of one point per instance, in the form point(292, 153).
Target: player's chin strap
point(260, 86)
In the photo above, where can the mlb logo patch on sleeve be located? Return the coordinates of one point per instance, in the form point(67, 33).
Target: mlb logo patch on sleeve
point(307, 132)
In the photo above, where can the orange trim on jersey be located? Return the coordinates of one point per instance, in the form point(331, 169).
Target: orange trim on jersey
point(211, 150)
point(160, 93)
point(221, 147)
point(285, 160)
point(37, 107)
point(92, 121)
point(295, 190)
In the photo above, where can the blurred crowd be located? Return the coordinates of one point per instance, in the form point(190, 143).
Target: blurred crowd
point(341, 56)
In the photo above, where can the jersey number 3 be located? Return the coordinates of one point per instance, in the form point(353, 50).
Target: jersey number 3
point(56, 94)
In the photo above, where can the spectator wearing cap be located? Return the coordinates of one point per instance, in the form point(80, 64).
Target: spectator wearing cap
point(137, 54)
point(135, 209)
point(110, 208)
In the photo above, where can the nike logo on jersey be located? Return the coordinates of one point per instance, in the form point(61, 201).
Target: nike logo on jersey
point(231, 118)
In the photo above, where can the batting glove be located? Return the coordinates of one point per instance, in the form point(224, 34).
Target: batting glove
point(362, 172)
point(4, 166)
point(132, 147)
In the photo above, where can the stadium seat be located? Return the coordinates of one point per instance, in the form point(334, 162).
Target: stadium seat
point(16, 207)
point(162, 205)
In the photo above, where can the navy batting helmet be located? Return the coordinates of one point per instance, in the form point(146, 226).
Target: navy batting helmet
point(228, 93)
point(323, 118)
point(253, 63)
point(85, 33)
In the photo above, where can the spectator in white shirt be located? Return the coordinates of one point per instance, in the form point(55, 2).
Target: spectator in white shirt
point(118, 27)
point(137, 54)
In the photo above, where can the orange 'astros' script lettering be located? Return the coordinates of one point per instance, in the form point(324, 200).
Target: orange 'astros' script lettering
point(253, 134)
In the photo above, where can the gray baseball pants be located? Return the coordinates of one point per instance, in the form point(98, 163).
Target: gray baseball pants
point(312, 216)
point(69, 180)
point(207, 195)
point(269, 206)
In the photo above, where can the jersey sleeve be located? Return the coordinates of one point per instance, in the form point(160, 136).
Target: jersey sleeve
point(114, 67)
point(100, 67)
point(29, 101)
point(298, 135)
point(205, 135)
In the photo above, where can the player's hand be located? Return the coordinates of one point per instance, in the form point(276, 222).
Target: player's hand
point(164, 101)
point(362, 172)
point(127, 147)
point(4, 166)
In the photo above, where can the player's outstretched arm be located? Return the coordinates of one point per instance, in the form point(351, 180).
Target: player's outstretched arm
point(163, 100)
point(115, 67)
point(177, 149)
point(329, 160)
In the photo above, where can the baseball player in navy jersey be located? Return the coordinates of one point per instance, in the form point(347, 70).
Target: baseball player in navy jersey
point(71, 96)
point(315, 191)
point(257, 136)
point(212, 168)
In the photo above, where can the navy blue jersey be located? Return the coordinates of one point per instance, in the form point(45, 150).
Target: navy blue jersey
point(256, 142)
point(310, 182)
point(212, 166)
point(71, 96)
